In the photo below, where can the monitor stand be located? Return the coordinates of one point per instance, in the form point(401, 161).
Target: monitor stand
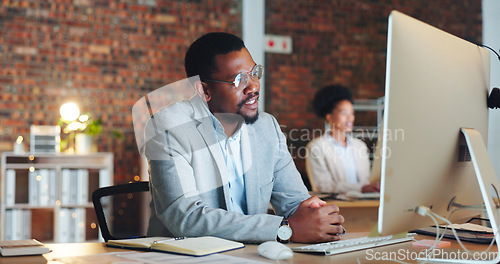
point(489, 185)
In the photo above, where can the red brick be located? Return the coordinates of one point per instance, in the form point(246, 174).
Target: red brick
point(123, 51)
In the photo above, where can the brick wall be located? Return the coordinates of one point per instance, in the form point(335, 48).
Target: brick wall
point(344, 42)
point(104, 55)
point(107, 54)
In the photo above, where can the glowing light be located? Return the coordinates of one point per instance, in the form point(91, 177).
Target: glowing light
point(74, 126)
point(69, 111)
point(83, 118)
point(19, 140)
point(137, 178)
point(31, 157)
point(32, 169)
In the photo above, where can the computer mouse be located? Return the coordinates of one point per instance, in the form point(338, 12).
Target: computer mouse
point(274, 250)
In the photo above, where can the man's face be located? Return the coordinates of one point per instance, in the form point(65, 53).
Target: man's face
point(225, 97)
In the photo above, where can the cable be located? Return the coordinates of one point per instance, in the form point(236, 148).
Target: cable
point(422, 210)
point(466, 207)
point(484, 46)
point(454, 231)
point(476, 207)
point(432, 215)
point(456, 235)
point(425, 211)
point(493, 240)
point(438, 238)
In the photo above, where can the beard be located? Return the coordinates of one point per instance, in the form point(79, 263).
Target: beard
point(248, 118)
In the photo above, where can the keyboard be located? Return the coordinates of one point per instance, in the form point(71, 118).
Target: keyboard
point(348, 245)
point(360, 195)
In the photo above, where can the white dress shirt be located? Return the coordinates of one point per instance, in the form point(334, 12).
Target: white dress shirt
point(231, 149)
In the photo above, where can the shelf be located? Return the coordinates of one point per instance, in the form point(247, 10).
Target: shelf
point(47, 196)
point(28, 206)
point(371, 112)
point(88, 205)
point(53, 166)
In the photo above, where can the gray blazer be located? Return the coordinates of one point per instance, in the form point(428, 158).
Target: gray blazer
point(189, 185)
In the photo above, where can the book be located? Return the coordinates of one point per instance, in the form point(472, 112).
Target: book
point(62, 234)
point(82, 195)
point(194, 246)
point(53, 187)
point(73, 187)
point(65, 186)
point(9, 224)
point(26, 230)
point(43, 187)
point(104, 178)
point(76, 225)
point(10, 187)
point(480, 237)
point(72, 222)
point(22, 248)
point(33, 188)
point(17, 224)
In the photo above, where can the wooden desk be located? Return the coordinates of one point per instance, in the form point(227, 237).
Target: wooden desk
point(250, 252)
point(360, 216)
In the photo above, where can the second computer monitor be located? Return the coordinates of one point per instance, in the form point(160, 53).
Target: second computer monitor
point(436, 84)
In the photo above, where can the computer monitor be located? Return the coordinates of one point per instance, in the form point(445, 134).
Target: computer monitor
point(436, 84)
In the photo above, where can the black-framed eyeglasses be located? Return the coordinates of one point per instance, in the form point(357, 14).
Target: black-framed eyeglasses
point(241, 80)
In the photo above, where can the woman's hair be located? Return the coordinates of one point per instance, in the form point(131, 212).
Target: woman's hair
point(327, 98)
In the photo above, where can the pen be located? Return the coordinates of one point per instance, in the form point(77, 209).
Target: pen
point(170, 239)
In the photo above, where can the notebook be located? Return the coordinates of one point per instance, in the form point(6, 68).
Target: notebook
point(194, 246)
point(22, 248)
point(464, 235)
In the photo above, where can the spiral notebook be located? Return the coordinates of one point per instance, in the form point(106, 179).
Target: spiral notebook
point(194, 246)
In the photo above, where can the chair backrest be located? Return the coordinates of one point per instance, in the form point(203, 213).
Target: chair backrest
point(128, 189)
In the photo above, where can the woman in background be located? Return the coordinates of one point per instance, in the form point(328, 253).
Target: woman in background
point(337, 162)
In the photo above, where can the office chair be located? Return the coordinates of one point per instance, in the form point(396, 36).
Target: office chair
point(131, 190)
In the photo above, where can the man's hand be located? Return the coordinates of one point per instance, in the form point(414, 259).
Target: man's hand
point(315, 222)
point(315, 202)
point(373, 187)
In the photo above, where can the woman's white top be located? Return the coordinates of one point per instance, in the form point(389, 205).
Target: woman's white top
point(333, 168)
